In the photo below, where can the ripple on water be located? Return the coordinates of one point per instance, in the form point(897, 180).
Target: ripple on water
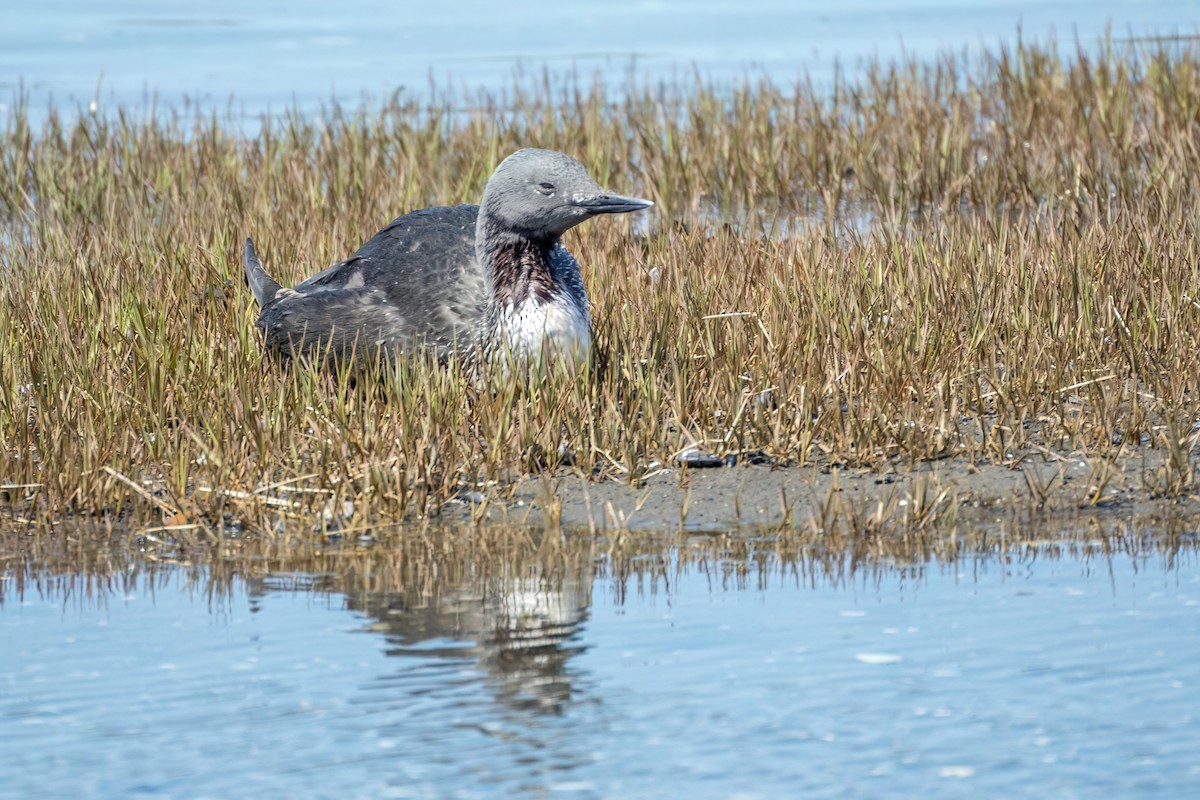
point(1074, 680)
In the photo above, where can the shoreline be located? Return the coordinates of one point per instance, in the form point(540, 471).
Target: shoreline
point(937, 495)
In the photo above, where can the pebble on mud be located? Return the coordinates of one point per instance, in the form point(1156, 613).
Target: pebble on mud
point(695, 458)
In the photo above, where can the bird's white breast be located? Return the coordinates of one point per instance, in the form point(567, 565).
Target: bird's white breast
point(560, 329)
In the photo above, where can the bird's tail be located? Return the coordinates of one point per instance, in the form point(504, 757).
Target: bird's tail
point(263, 285)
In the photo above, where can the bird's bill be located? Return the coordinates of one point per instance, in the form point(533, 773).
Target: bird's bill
point(611, 204)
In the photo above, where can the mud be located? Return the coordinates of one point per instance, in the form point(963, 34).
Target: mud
point(818, 497)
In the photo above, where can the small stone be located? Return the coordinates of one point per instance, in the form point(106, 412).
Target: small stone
point(695, 458)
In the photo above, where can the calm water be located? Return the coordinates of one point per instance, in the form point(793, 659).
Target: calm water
point(270, 54)
point(1040, 674)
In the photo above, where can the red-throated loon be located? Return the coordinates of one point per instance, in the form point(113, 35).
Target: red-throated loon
point(493, 278)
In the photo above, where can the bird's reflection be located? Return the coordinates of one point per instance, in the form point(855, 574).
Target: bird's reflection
point(516, 617)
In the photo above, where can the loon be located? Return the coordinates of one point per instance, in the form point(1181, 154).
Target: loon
point(491, 279)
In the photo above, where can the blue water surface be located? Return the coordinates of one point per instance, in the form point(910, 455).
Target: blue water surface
point(264, 56)
point(1031, 677)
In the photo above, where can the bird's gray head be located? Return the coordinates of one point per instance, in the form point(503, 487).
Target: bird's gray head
point(541, 194)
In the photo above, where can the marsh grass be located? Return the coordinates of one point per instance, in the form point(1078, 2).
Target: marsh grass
point(983, 259)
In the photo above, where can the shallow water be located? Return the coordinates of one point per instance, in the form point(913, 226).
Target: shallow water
point(1034, 672)
point(268, 55)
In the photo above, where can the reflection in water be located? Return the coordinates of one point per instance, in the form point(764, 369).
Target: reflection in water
point(506, 664)
point(520, 629)
point(517, 619)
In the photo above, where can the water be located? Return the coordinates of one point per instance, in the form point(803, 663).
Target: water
point(1036, 672)
point(266, 56)
point(650, 672)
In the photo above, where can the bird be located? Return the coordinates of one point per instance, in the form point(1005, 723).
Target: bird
point(489, 281)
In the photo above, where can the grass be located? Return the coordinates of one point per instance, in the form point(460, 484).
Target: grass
point(982, 259)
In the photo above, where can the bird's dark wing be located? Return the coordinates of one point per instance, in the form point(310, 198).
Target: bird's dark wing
point(415, 280)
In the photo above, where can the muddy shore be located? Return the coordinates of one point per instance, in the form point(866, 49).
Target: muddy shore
point(819, 497)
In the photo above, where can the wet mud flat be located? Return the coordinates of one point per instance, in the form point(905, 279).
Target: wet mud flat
point(818, 498)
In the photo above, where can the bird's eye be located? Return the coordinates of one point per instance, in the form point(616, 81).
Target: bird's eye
point(546, 188)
